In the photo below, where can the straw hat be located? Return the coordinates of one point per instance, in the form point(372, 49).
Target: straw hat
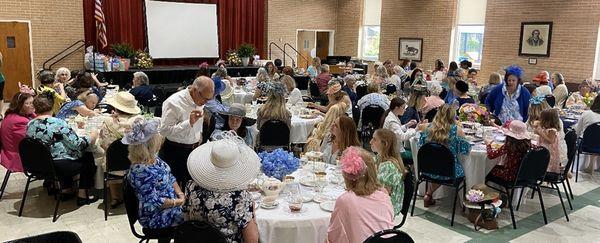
point(224, 165)
point(334, 88)
point(517, 130)
point(125, 102)
point(240, 111)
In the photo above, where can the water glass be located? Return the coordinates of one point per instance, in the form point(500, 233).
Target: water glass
point(320, 181)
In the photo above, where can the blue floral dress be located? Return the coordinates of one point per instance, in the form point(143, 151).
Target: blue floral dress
point(456, 144)
point(510, 106)
point(68, 109)
point(153, 183)
point(229, 212)
point(55, 133)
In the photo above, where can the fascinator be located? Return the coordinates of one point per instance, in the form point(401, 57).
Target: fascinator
point(513, 70)
point(537, 100)
point(352, 164)
point(142, 130)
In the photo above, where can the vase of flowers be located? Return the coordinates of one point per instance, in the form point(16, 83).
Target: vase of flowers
point(278, 163)
point(233, 59)
point(143, 60)
point(473, 113)
point(245, 51)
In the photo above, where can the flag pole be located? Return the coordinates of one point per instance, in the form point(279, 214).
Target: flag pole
point(95, 47)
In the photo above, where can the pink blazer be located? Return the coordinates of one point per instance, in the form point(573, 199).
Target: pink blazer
point(12, 131)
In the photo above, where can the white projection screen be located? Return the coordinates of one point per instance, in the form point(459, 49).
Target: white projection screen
point(182, 30)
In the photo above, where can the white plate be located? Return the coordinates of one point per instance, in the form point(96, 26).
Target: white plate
point(274, 205)
point(307, 197)
point(322, 198)
point(309, 182)
point(315, 166)
point(327, 206)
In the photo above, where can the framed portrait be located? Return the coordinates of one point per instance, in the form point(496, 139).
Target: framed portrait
point(410, 49)
point(536, 38)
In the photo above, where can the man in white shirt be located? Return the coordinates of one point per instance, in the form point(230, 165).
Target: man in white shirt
point(182, 115)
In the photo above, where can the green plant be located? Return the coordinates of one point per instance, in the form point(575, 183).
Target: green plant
point(124, 50)
point(246, 50)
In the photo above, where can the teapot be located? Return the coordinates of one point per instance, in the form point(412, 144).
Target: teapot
point(270, 186)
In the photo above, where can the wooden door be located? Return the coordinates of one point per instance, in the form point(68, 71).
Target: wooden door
point(306, 43)
point(16, 51)
point(322, 45)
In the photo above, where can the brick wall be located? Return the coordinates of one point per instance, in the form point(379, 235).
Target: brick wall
point(285, 17)
point(431, 20)
point(55, 24)
point(574, 34)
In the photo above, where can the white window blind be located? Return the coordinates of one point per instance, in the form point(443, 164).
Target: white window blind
point(372, 12)
point(471, 12)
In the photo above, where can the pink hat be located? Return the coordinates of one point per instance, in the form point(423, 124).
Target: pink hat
point(517, 130)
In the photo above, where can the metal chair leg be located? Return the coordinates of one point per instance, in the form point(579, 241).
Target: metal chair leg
point(577, 168)
point(562, 203)
point(570, 191)
point(454, 205)
point(464, 193)
point(105, 198)
point(567, 194)
point(412, 211)
point(532, 193)
point(542, 204)
point(57, 204)
point(512, 213)
point(24, 196)
point(520, 197)
point(4, 183)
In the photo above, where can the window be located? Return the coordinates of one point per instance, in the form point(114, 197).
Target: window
point(370, 31)
point(468, 42)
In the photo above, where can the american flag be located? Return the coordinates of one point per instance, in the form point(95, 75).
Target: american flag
point(100, 26)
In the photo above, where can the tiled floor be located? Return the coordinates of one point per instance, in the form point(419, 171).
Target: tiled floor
point(431, 225)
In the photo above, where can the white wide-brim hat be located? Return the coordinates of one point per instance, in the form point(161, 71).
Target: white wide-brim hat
point(224, 165)
point(125, 102)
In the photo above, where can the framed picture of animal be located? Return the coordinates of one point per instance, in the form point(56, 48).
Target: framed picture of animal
point(410, 49)
point(535, 39)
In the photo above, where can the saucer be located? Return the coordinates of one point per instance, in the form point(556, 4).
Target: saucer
point(319, 198)
point(327, 206)
point(272, 206)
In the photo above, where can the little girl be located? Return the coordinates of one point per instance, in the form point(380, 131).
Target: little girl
point(517, 143)
point(547, 129)
point(390, 169)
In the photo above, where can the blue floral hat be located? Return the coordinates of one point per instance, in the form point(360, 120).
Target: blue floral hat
point(142, 130)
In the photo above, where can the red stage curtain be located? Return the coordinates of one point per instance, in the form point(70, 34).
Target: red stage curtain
point(240, 21)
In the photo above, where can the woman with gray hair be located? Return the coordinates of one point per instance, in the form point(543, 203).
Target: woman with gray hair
point(141, 89)
point(560, 89)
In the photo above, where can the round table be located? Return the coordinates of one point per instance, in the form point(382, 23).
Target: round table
point(308, 225)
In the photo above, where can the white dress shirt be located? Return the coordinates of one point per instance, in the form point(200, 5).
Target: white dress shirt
point(175, 125)
point(587, 118)
point(392, 122)
point(294, 97)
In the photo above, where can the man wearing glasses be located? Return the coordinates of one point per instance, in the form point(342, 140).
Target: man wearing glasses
point(182, 116)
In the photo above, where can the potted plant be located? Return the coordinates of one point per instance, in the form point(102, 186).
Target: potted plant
point(125, 52)
point(245, 51)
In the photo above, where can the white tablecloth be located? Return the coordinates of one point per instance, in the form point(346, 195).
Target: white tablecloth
point(300, 130)
point(242, 97)
point(308, 225)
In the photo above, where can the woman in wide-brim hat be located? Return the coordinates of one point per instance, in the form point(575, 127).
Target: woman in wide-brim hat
point(125, 110)
point(221, 171)
point(236, 120)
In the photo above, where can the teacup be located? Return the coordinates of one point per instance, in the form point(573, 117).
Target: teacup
point(269, 200)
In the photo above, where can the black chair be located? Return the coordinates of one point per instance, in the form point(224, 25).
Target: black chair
point(409, 188)
point(390, 89)
point(131, 207)
point(589, 144)
point(192, 231)
point(52, 237)
point(314, 91)
point(361, 90)
point(274, 134)
point(437, 159)
point(571, 141)
point(370, 121)
point(389, 236)
point(39, 165)
point(530, 175)
point(116, 160)
point(550, 100)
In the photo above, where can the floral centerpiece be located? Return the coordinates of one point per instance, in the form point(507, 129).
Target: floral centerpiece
point(232, 58)
point(143, 60)
point(588, 99)
point(278, 163)
point(473, 113)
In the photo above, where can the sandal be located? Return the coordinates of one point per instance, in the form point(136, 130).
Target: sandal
point(85, 201)
point(115, 203)
point(428, 201)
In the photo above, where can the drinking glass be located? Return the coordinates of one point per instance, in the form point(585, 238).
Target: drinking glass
point(294, 197)
point(320, 181)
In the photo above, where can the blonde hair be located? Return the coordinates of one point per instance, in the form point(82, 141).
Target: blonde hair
point(439, 130)
point(368, 183)
point(274, 108)
point(535, 111)
point(322, 128)
point(289, 82)
point(84, 96)
point(262, 75)
point(389, 152)
point(494, 78)
point(145, 153)
point(61, 71)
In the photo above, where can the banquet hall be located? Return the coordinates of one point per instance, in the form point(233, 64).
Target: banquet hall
point(299, 121)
